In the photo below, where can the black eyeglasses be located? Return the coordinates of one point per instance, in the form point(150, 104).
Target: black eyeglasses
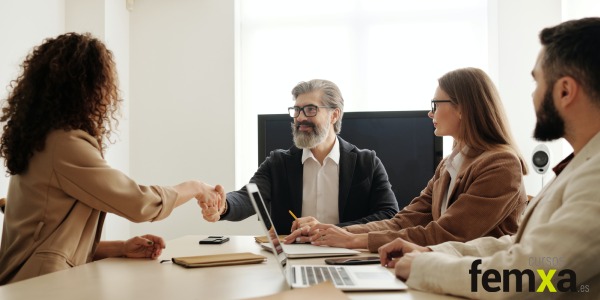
point(308, 110)
point(434, 104)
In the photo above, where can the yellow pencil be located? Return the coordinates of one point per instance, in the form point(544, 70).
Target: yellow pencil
point(293, 215)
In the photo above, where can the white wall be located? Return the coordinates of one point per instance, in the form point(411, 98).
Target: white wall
point(18, 36)
point(108, 20)
point(116, 37)
point(182, 104)
point(574, 9)
point(514, 28)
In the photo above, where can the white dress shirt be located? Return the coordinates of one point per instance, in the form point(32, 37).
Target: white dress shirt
point(452, 164)
point(320, 185)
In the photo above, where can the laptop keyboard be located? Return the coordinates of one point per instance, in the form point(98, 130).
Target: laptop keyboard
point(316, 274)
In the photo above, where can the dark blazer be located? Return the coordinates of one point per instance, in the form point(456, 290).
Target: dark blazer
point(365, 193)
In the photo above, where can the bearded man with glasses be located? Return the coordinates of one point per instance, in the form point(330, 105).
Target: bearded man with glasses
point(322, 178)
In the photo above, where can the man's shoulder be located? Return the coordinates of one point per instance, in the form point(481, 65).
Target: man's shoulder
point(285, 152)
point(279, 155)
point(348, 147)
point(585, 166)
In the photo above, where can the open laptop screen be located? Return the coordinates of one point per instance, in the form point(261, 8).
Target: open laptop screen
point(272, 235)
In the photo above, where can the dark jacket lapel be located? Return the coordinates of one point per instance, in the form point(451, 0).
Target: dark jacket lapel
point(346, 167)
point(295, 173)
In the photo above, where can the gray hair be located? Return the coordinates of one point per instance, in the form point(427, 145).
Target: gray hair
point(332, 96)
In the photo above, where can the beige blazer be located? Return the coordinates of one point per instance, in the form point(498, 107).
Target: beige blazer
point(560, 230)
point(55, 209)
point(487, 200)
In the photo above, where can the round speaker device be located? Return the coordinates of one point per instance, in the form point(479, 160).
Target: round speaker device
point(541, 159)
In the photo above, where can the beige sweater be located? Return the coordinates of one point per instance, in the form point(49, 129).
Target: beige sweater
point(559, 231)
point(56, 208)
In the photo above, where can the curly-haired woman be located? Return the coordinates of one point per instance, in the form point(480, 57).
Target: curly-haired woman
point(58, 117)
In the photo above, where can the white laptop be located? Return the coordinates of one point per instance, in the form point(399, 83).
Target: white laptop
point(308, 250)
point(347, 278)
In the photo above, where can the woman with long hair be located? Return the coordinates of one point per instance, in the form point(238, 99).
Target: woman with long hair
point(58, 118)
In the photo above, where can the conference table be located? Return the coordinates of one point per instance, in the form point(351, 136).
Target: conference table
point(123, 278)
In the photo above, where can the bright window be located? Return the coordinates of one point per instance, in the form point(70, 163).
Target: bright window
point(383, 54)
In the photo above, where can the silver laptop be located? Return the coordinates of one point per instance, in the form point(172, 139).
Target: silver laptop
point(308, 250)
point(346, 278)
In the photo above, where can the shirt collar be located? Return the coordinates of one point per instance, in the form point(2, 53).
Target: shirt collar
point(455, 159)
point(563, 164)
point(334, 154)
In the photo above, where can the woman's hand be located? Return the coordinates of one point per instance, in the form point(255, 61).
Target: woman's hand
point(145, 246)
point(212, 201)
point(334, 236)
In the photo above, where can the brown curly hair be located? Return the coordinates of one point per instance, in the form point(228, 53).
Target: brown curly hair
point(68, 82)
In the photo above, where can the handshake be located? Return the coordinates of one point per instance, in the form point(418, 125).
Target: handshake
point(212, 201)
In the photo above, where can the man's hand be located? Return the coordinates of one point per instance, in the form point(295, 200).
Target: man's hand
point(300, 230)
point(300, 235)
point(400, 254)
point(404, 264)
point(304, 222)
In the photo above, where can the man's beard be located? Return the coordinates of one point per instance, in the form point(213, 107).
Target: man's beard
point(549, 126)
point(309, 139)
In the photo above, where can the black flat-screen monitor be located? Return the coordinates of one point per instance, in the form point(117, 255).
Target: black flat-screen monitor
point(403, 140)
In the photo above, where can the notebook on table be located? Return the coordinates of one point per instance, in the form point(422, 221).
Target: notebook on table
point(227, 259)
point(347, 278)
point(263, 238)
